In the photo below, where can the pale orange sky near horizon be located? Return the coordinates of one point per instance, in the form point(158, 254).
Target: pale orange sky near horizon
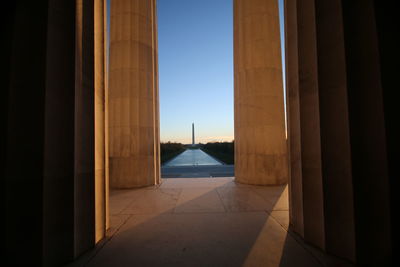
point(203, 140)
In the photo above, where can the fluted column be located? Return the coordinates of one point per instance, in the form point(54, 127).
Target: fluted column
point(293, 109)
point(133, 94)
point(312, 183)
point(335, 75)
point(101, 194)
point(260, 142)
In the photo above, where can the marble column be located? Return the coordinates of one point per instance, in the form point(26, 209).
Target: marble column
point(133, 95)
point(342, 130)
point(260, 142)
point(106, 128)
point(385, 14)
point(312, 184)
point(84, 129)
point(101, 196)
point(368, 133)
point(50, 133)
point(321, 174)
point(334, 130)
point(293, 118)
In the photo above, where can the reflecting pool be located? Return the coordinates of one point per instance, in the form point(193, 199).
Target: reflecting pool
point(193, 157)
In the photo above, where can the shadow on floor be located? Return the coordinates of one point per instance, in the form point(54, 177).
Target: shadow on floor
point(200, 222)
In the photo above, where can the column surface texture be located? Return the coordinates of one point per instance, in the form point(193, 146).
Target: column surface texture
point(50, 167)
point(340, 184)
point(99, 120)
point(312, 183)
point(133, 95)
point(294, 127)
point(260, 142)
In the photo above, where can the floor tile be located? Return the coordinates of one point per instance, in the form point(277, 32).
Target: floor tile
point(199, 200)
point(203, 239)
point(154, 202)
point(195, 182)
point(241, 199)
point(277, 196)
point(200, 222)
point(282, 217)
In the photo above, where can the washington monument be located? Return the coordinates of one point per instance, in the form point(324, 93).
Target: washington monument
point(193, 142)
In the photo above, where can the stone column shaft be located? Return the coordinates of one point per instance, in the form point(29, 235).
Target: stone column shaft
point(310, 124)
point(84, 145)
point(133, 94)
point(50, 133)
point(367, 133)
point(260, 143)
point(101, 196)
point(342, 130)
point(293, 118)
point(334, 130)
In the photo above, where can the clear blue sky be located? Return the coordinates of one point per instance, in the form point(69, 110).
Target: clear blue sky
point(195, 45)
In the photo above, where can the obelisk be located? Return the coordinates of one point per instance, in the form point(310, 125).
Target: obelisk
point(193, 134)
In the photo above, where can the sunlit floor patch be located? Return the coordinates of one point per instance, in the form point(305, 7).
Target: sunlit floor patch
point(201, 222)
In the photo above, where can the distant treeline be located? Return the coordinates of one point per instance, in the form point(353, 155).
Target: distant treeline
point(223, 151)
point(170, 150)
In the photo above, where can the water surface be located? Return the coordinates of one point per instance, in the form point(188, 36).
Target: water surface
point(192, 157)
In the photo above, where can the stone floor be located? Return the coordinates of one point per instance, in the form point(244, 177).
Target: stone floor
point(201, 171)
point(202, 222)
